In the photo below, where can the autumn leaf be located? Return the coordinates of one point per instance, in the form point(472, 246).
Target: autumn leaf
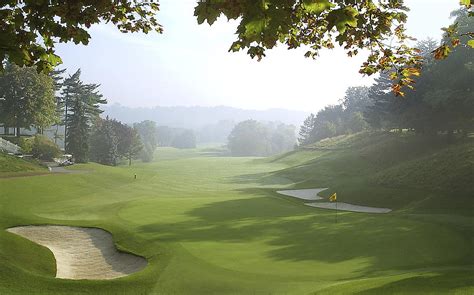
point(470, 43)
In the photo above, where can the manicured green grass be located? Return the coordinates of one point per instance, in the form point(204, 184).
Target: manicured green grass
point(210, 224)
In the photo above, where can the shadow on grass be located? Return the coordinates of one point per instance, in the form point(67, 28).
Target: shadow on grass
point(261, 179)
point(443, 283)
point(297, 233)
point(214, 152)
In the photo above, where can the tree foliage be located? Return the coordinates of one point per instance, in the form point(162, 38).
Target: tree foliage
point(185, 140)
point(148, 134)
point(442, 103)
point(82, 107)
point(30, 29)
point(344, 118)
point(44, 149)
point(78, 132)
point(26, 98)
point(129, 144)
point(111, 140)
point(58, 82)
point(253, 138)
point(104, 143)
point(318, 24)
point(305, 130)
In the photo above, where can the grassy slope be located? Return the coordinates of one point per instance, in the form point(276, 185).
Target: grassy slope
point(11, 166)
point(214, 225)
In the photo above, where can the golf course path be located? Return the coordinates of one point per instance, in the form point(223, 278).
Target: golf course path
point(348, 207)
point(82, 253)
point(304, 194)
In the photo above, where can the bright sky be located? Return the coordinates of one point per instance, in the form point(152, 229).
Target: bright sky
point(189, 64)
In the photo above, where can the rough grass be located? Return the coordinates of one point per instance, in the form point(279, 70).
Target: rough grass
point(388, 170)
point(12, 166)
point(210, 224)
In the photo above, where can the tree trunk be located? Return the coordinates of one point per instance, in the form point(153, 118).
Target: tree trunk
point(65, 123)
point(56, 135)
point(17, 131)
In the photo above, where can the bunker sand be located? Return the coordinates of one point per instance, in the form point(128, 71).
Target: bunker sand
point(304, 194)
point(82, 253)
point(312, 195)
point(348, 207)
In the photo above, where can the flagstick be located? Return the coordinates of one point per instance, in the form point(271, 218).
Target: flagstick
point(336, 211)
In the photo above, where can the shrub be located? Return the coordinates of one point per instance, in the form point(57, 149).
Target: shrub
point(26, 144)
point(44, 149)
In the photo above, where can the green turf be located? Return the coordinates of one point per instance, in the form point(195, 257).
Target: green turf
point(210, 224)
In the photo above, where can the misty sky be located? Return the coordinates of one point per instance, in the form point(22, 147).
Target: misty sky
point(189, 64)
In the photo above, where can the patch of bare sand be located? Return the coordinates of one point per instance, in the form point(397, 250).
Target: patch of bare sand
point(304, 194)
point(83, 253)
point(348, 207)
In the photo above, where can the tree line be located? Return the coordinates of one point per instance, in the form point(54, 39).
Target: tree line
point(29, 99)
point(443, 102)
point(254, 138)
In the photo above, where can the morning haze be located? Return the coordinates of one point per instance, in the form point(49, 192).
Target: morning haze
point(162, 163)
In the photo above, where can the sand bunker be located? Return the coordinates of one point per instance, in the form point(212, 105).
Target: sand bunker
point(304, 194)
point(348, 207)
point(83, 253)
point(312, 194)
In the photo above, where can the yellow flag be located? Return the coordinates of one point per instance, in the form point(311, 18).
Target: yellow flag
point(333, 198)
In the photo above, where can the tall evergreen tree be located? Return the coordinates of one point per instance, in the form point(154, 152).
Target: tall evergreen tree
point(77, 135)
point(58, 80)
point(305, 130)
point(82, 106)
point(381, 113)
point(71, 88)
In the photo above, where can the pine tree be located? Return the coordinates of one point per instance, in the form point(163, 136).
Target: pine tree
point(82, 107)
point(379, 114)
point(71, 88)
point(306, 129)
point(78, 132)
point(58, 82)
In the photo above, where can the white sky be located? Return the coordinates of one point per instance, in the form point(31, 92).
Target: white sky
point(189, 64)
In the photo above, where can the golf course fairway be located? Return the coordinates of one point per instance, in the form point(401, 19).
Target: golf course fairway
point(209, 224)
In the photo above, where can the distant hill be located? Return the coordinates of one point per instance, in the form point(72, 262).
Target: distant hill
point(197, 117)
